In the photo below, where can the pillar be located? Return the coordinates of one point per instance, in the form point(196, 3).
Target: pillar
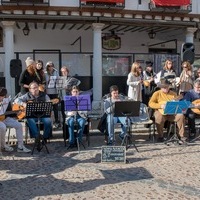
point(190, 35)
point(97, 64)
point(8, 27)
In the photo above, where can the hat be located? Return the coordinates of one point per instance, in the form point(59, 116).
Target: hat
point(149, 63)
point(29, 61)
point(50, 63)
point(163, 83)
point(3, 91)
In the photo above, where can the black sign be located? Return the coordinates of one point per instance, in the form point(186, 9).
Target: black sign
point(113, 154)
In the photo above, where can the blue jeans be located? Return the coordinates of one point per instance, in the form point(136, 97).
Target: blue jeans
point(34, 128)
point(80, 128)
point(111, 123)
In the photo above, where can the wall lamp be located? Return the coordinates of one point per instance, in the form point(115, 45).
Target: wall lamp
point(26, 30)
point(152, 34)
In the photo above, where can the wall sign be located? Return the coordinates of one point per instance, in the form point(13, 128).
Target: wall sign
point(112, 42)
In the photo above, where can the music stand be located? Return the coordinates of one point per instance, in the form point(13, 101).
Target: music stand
point(39, 110)
point(59, 86)
point(77, 103)
point(127, 109)
point(173, 108)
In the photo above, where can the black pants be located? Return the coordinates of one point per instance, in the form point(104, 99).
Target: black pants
point(191, 121)
point(55, 107)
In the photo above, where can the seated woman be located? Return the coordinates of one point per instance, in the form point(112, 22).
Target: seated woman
point(75, 117)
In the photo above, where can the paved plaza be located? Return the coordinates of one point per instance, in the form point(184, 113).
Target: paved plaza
point(157, 171)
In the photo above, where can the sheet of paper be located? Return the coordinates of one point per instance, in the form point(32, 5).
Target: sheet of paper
point(52, 82)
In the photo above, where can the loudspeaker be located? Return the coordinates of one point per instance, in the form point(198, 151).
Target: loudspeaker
point(15, 68)
point(187, 52)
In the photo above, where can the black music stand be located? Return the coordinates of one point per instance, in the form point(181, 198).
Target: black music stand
point(173, 108)
point(77, 103)
point(127, 109)
point(39, 110)
point(59, 86)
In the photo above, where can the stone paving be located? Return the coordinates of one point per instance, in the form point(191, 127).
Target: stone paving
point(156, 172)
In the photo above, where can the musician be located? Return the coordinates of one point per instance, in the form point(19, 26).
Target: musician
point(148, 80)
point(134, 82)
point(169, 74)
point(111, 120)
point(51, 76)
point(68, 81)
point(186, 78)
point(34, 95)
point(2, 135)
point(9, 121)
point(193, 95)
point(28, 75)
point(39, 71)
point(75, 117)
point(158, 102)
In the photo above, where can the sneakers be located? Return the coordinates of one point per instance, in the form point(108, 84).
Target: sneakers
point(7, 148)
point(23, 149)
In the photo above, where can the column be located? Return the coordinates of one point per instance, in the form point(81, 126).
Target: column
point(190, 35)
point(97, 64)
point(8, 27)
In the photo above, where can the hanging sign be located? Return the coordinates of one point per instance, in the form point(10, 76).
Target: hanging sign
point(112, 42)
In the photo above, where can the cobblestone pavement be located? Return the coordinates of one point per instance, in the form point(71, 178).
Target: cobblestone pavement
point(156, 172)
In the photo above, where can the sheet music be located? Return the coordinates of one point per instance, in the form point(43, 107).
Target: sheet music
point(60, 82)
point(52, 82)
point(4, 105)
point(157, 77)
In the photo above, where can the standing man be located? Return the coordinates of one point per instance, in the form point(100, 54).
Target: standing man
point(158, 102)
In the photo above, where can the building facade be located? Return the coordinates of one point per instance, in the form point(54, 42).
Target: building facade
point(97, 40)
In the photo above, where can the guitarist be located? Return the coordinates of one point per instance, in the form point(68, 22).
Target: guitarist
point(193, 96)
point(9, 121)
point(34, 95)
point(158, 102)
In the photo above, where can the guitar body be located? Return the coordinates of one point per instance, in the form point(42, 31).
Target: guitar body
point(22, 113)
point(20, 108)
point(196, 110)
point(2, 117)
point(41, 87)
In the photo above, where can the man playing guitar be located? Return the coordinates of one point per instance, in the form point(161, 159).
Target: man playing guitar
point(7, 120)
point(193, 96)
point(158, 102)
point(34, 95)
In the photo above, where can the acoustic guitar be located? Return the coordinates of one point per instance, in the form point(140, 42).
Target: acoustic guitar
point(41, 87)
point(2, 117)
point(22, 114)
point(161, 110)
point(194, 108)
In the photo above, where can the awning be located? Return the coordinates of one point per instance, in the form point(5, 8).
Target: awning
point(103, 1)
point(171, 2)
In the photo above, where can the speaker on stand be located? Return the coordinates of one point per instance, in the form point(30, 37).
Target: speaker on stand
point(188, 52)
point(15, 72)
